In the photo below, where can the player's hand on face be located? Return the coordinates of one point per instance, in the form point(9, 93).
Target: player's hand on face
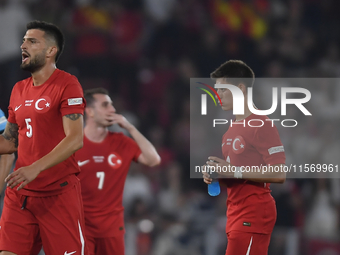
point(121, 121)
point(206, 175)
point(22, 176)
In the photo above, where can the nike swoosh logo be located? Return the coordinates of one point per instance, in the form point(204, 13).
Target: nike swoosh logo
point(69, 253)
point(17, 107)
point(81, 163)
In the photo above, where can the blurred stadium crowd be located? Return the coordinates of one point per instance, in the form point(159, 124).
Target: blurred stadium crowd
point(145, 52)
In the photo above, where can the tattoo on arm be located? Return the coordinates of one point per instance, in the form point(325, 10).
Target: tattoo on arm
point(11, 133)
point(73, 116)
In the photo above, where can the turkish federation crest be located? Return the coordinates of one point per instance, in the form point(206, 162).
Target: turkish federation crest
point(238, 145)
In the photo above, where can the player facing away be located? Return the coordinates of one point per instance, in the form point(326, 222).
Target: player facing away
point(104, 161)
point(43, 204)
point(251, 210)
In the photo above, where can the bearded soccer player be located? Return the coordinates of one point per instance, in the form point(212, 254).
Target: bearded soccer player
point(43, 203)
point(104, 161)
point(251, 210)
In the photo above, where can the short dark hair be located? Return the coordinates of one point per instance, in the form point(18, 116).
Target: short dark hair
point(50, 30)
point(236, 72)
point(88, 94)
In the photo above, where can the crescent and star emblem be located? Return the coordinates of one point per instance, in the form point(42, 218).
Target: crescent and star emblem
point(114, 160)
point(43, 104)
point(237, 139)
point(37, 104)
point(238, 145)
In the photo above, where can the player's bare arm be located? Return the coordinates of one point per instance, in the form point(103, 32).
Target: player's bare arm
point(73, 116)
point(256, 176)
point(9, 139)
point(6, 163)
point(73, 141)
point(149, 155)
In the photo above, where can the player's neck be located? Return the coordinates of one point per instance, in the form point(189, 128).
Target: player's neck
point(41, 76)
point(246, 114)
point(95, 133)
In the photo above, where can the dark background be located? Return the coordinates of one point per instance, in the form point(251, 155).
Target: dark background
point(145, 52)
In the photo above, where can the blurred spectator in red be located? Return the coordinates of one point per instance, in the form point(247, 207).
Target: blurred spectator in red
point(154, 84)
point(90, 25)
point(241, 17)
point(127, 33)
point(127, 30)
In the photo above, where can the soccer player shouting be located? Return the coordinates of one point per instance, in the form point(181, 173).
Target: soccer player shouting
point(104, 161)
point(45, 125)
point(251, 210)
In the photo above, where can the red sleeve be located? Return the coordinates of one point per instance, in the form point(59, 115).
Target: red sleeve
point(268, 143)
point(133, 148)
point(72, 99)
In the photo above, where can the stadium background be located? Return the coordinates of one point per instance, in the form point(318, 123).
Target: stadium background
point(145, 52)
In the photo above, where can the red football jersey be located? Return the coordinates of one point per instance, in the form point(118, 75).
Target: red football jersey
point(250, 206)
point(38, 111)
point(104, 167)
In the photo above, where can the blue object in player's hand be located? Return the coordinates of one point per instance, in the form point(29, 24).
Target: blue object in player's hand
point(214, 187)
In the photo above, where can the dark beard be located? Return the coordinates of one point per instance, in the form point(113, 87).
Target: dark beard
point(34, 65)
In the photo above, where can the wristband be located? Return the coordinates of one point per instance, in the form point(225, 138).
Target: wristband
point(238, 173)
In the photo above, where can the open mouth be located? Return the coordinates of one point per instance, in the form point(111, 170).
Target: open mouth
point(24, 56)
